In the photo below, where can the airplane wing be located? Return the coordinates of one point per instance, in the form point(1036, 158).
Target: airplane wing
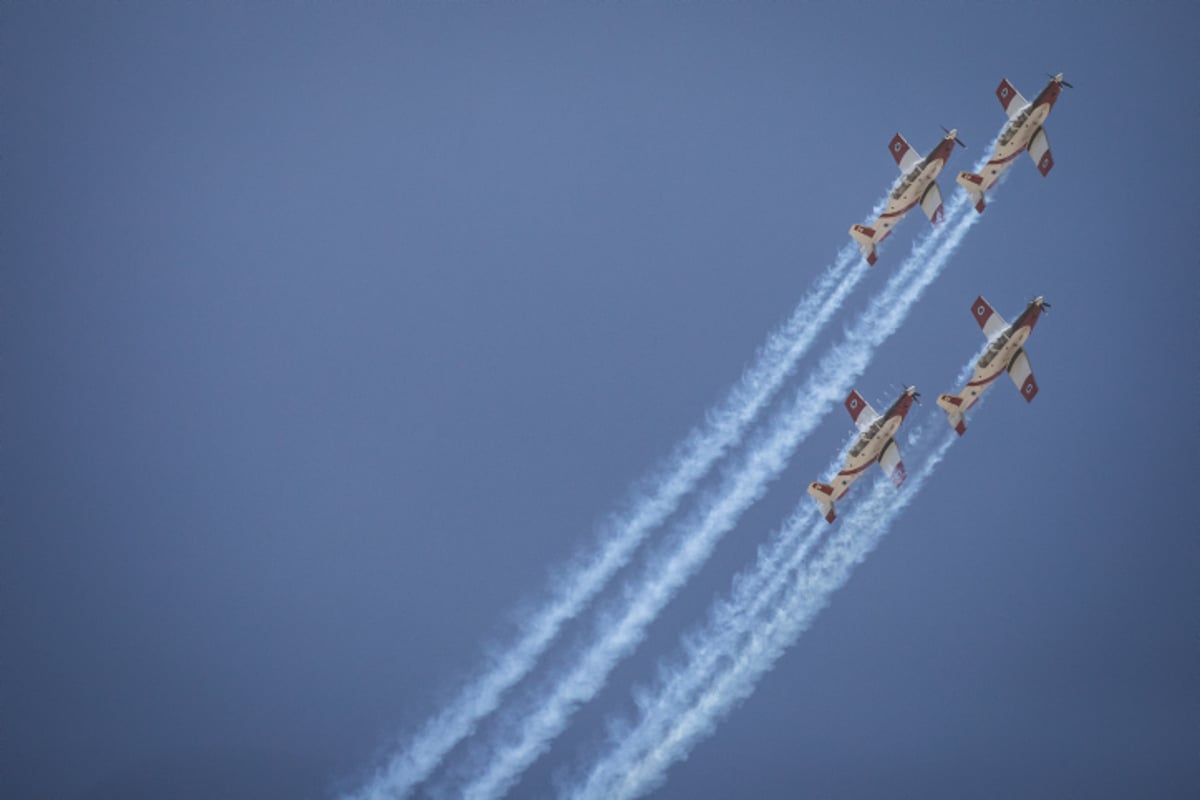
point(906, 157)
point(1039, 151)
point(989, 321)
point(889, 459)
point(860, 411)
point(1010, 98)
point(931, 203)
point(1022, 376)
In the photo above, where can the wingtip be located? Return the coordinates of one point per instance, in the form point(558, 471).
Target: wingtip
point(1029, 389)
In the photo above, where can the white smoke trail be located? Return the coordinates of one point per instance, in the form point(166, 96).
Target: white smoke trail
point(758, 653)
point(534, 728)
point(620, 536)
point(719, 668)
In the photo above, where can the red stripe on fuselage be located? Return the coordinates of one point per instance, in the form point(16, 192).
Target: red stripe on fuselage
point(904, 210)
point(857, 471)
point(1005, 160)
point(986, 381)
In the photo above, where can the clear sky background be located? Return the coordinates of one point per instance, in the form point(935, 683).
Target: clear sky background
point(328, 330)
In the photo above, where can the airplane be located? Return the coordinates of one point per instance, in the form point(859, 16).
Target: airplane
point(1024, 132)
point(1005, 352)
point(876, 442)
point(917, 186)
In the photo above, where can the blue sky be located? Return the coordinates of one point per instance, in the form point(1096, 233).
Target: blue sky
point(330, 330)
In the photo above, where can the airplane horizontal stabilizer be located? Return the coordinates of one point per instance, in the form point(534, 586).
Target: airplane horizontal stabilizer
point(974, 185)
point(866, 238)
point(953, 405)
point(823, 494)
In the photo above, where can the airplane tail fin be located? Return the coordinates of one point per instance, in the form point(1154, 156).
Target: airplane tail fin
point(866, 242)
point(953, 405)
point(974, 185)
point(823, 494)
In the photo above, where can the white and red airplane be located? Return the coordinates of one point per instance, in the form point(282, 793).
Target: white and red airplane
point(1005, 352)
point(917, 186)
point(1024, 132)
point(876, 442)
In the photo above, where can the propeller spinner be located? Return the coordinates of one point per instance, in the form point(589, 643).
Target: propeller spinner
point(954, 133)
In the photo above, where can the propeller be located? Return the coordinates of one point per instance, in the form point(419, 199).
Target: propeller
point(1045, 305)
point(1058, 78)
point(957, 141)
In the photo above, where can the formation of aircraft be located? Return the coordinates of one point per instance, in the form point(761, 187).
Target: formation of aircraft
point(1024, 133)
point(876, 443)
point(919, 185)
point(1005, 352)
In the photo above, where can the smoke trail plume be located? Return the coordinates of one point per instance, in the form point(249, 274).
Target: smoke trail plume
point(745, 634)
point(622, 533)
point(532, 728)
point(758, 652)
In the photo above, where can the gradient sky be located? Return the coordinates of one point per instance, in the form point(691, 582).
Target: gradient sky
point(328, 330)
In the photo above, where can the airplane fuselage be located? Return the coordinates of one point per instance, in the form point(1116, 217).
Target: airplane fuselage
point(875, 444)
point(865, 452)
point(999, 355)
point(1015, 137)
point(870, 444)
point(912, 188)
